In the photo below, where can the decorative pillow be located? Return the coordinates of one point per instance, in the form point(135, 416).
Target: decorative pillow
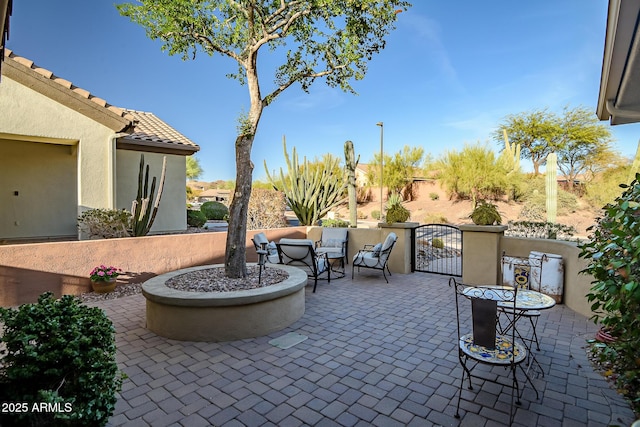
point(332, 243)
point(272, 249)
point(376, 250)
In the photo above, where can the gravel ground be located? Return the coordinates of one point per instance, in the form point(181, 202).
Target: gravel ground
point(208, 280)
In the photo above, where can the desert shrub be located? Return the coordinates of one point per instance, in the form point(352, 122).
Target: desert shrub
point(335, 223)
point(105, 223)
point(266, 209)
point(533, 212)
point(435, 218)
point(605, 186)
point(434, 196)
point(62, 353)
point(437, 243)
point(534, 195)
point(214, 210)
point(363, 194)
point(375, 214)
point(361, 215)
point(195, 218)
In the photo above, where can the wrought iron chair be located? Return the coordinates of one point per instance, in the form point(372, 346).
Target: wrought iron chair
point(375, 256)
point(334, 241)
point(479, 340)
point(260, 242)
point(300, 253)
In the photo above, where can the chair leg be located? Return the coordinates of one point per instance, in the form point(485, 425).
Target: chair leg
point(385, 276)
point(315, 284)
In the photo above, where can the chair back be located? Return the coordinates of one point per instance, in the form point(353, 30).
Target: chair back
point(387, 246)
point(298, 252)
point(260, 239)
point(482, 303)
point(333, 237)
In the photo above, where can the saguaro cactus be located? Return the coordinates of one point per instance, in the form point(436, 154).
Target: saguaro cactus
point(350, 164)
point(142, 211)
point(310, 193)
point(512, 152)
point(551, 187)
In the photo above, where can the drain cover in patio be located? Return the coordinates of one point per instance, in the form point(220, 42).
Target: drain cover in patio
point(288, 340)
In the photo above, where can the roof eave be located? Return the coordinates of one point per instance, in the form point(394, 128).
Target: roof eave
point(127, 143)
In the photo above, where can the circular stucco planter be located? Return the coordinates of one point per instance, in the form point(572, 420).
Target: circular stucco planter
point(223, 316)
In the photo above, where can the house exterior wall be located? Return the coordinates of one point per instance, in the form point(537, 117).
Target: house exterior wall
point(30, 116)
point(172, 211)
point(44, 177)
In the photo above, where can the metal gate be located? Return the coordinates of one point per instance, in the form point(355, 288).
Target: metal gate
point(437, 248)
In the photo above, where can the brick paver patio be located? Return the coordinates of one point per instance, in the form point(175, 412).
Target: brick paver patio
point(376, 354)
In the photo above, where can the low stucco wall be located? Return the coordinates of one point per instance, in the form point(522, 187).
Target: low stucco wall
point(28, 270)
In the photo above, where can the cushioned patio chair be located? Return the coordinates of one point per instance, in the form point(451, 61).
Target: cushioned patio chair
point(260, 241)
point(300, 253)
point(334, 242)
point(375, 256)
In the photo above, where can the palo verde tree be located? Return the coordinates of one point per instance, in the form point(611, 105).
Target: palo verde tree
point(399, 170)
point(329, 39)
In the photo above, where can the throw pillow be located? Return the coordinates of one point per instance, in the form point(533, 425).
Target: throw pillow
point(376, 250)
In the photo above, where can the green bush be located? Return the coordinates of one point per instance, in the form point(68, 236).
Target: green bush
point(58, 352)
point(535, 199)
point(434, 196)
point(437, 243)
point(195, 218)
point(335, 223)
point(214, 210)
point(375, 214)
point(435, 218)
point(614, 263)
point(105, 223)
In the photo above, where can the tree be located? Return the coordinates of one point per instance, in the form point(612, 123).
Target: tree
point(330, 39)
point(399, 170)
point(534, 131)
point(582, 144)
point(194, 170)
point(580, 141)
point(474, 173)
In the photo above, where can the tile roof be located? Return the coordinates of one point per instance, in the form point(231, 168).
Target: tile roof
point(144, 129)
point(149, 128)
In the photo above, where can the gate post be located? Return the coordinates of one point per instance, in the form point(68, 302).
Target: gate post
point(481, 253)
point(399, 259)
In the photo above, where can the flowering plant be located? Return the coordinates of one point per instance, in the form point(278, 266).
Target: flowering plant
point(103, 273)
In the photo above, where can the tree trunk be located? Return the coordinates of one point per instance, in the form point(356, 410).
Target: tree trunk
point(236, 254)
point(235, 258)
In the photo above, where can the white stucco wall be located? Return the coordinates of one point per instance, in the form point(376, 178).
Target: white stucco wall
point(172, 212)
point(30, 116)
point(44, 177)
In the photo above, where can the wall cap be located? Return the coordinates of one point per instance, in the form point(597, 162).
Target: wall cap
point(399, 225)
point(483, 228)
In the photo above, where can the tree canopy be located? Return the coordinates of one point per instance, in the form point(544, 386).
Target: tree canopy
point(328, 39)
point(194, 170)
point(399, 170)
point(580, 141)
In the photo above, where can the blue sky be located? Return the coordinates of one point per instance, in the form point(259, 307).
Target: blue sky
point(449, 75)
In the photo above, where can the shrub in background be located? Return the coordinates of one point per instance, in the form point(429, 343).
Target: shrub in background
point(195, 218)
point(437, 243)
point(375, 214)
point(105, 223)
point(214, 210)
point(266, 209)
point(58, 352)
point(335, 223)
point(434, 196)
point(435, 218)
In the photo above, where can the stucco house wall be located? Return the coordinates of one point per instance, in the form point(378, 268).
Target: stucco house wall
point(172, 214)
point(64, 151)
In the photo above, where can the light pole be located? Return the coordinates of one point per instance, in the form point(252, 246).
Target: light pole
point(381, 162)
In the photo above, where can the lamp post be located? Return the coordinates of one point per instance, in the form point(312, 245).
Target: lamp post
point(381, 162)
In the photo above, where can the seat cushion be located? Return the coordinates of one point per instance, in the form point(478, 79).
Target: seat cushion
point(366, 259)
